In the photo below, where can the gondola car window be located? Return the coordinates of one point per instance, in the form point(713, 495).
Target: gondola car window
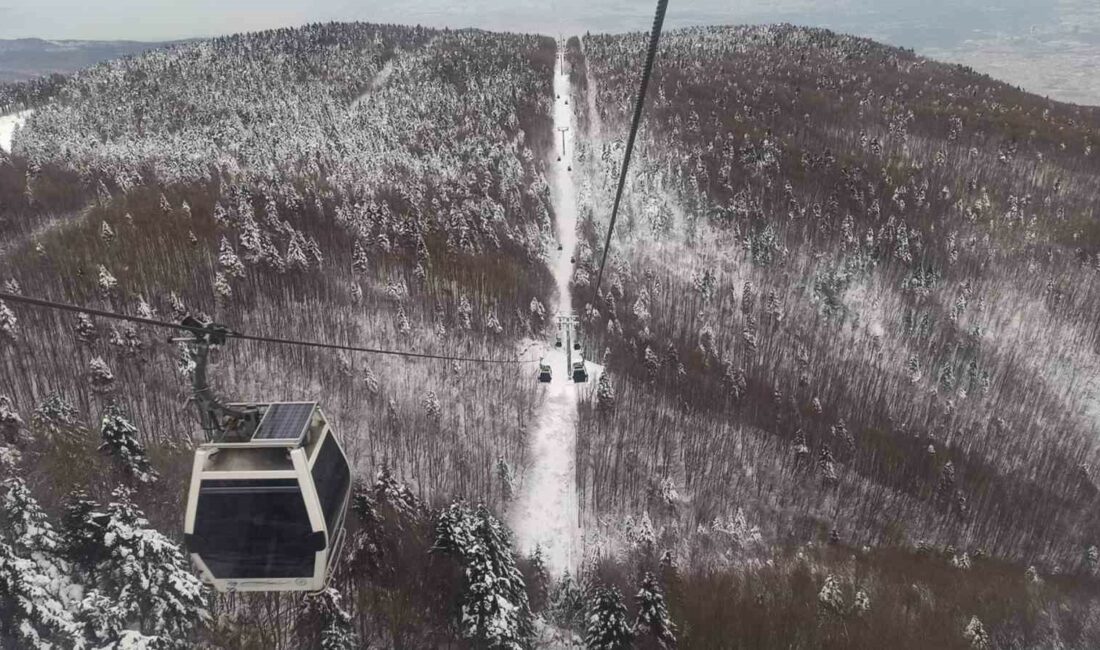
point(254, 528)
point(332, 477)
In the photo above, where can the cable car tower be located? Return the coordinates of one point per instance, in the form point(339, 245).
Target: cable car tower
point(269, 488)
point(574, 368)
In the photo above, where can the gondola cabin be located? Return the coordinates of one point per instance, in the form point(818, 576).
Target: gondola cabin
point(580, 373)
point(544, 373)
point(266, 513)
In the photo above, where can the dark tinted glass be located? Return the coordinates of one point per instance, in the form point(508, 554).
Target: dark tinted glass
point(254, 529)
point(332, 478)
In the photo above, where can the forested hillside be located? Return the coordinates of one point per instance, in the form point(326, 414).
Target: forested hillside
point(352, 183)
point(852, 303)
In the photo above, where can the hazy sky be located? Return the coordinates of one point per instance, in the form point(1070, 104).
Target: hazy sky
point(1048, 46)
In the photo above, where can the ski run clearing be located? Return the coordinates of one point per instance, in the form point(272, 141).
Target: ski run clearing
point(545, 512)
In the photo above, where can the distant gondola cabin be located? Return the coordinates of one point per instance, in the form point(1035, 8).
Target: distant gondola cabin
point(267, 513)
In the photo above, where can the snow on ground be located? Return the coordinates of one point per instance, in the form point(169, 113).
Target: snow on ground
point(8, 124)
point(545, 513)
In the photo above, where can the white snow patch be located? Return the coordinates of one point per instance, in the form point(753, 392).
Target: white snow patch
point(8, 124)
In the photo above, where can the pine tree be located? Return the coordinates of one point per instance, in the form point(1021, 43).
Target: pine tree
point(323, 624)
point(295, 253)
point(120, 442)
point(126, 339)
point(465, 313)
point(494, 608)
point(567, 604)
point(605, 394)
point(403, 325)
point(652, 364)
point(55, 417)
point(492, 323)
point(106, 281)
point(975, 634)
point(538, 312)
point(85, 329)
point(82, 528)
point(228, 261)
point(540, 589)
point(653, 616)
point(433, 410)
point(607, 628)
point(222, 290)
point(36, 593)
point(143, 571)
point(827, 464)
point(801, 450)
point(101, 376)
point(8, 324)
point(359, 262)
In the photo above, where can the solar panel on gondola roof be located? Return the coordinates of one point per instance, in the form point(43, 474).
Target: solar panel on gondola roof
point(285, 421)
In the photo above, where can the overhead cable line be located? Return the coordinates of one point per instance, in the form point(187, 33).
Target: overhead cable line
point(48, 304)
point(647, 71)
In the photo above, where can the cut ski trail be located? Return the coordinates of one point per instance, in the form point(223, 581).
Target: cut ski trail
point(545, 512)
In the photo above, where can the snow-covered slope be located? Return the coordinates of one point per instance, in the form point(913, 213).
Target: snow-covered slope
point(546, 511)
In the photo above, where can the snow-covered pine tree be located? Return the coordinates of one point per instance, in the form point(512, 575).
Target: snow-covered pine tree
point(106, 233)
point(100, 375)
point(295, 253)
point(465, 312)
point(433, 410)
point(801, 450)
point(222, 290)
point(144, 572)
point(85, 329)
point(36, 592)
point(605, 394)
point(607, 627)
point(567, 604)
point(82, 528)
point(359, 261)
point(827, 464)
point(9, 324)
point(56, 417)
point(653, 619)
point(323, 624)
point(492, 323)
point(106, 281)
point(103, 624)
point(975, 634)
point(228, 261)
point(494, 610)
point(540, 587)
point(120, 442)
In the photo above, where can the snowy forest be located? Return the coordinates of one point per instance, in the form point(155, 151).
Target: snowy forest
point(848, 388)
